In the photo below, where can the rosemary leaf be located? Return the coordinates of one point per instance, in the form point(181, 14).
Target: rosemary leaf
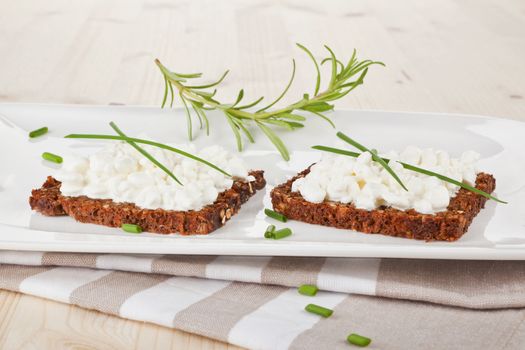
point(205, 86)
point(294, 125)
point(239, 98)
point(172, 94)
point(280, 123)
point(284, 92)
point(291, 116)
point(235, 130)
point(244, 129)
point(165, 92)
point(334, 67)
point(195, 109)
point(339, 63)
point(188, 117)
point(278, 143)
point(199, 110)
point(318, 78)
point(249, 105)
point(318, 107)
point(324, 117)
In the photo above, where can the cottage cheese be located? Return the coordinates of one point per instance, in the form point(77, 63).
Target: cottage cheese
point(367, 185)
point(120, 173)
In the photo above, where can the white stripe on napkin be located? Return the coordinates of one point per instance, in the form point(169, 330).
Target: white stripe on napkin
point(350, 275)
point(160, 303)
point(237, 268)
point(58, 283)
point(278, 322)
point(137, 263)
point(20, 258)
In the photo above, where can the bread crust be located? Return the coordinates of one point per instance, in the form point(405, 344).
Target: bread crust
point(49, 201)
point(448, 225)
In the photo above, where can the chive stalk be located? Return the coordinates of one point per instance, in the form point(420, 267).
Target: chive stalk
point(282, 233)
point(131, 228)
point(269, 231)
point(38, 132)
point(52, 157)
point(358, 340)
point(319, 310)
point(275, 215)
point(308, 289)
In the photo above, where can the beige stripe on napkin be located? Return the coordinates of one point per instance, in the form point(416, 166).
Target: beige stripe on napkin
point(108, 293)
point(400, 324)
point(292, 271)
point(12, 275)
point(216, 315)
point(182, 265)
point(70, 259)
point(473, 284)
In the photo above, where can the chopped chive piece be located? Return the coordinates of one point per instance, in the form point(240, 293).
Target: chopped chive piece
point(269, 231)
point(275, 215)
point(358, 340)
point(319, 310)
point(38, 132)
point(52, 157)
point(308, 289)
point(282, 233)
point(131, 228)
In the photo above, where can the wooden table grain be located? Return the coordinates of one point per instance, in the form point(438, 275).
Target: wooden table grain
point(461, 56)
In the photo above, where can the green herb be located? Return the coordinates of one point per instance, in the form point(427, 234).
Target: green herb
point(38, 132)
point(358, 340)
point(343, 79)
point(275, 215)
point(319, 310)
point(131, 228)
point(452, 181)
point(282, 233)
point(416, 169)
point(146, 142)
point(308, 289)
point(269, 231)
point(145, 153)
point(52, 157)
point(375, 157)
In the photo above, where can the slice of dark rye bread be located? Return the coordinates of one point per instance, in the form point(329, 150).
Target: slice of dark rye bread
point(448, 225)
point(49, 201)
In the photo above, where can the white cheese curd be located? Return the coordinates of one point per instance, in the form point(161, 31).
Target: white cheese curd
point(120, 173)
point(367, 185)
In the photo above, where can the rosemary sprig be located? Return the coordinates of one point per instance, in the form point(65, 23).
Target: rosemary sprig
point(415, 169)
point(343, 79)
point(133, 142)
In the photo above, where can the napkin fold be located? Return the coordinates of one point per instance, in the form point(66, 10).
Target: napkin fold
point(253, 301)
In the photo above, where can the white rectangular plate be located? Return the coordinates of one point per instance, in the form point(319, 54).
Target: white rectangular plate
point(498, 232)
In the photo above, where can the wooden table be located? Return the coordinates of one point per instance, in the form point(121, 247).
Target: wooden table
point(462, 56)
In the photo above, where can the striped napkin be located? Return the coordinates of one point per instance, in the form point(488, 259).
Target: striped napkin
point(253, 301)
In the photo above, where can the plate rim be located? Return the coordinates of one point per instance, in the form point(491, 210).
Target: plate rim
point(256, 247)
